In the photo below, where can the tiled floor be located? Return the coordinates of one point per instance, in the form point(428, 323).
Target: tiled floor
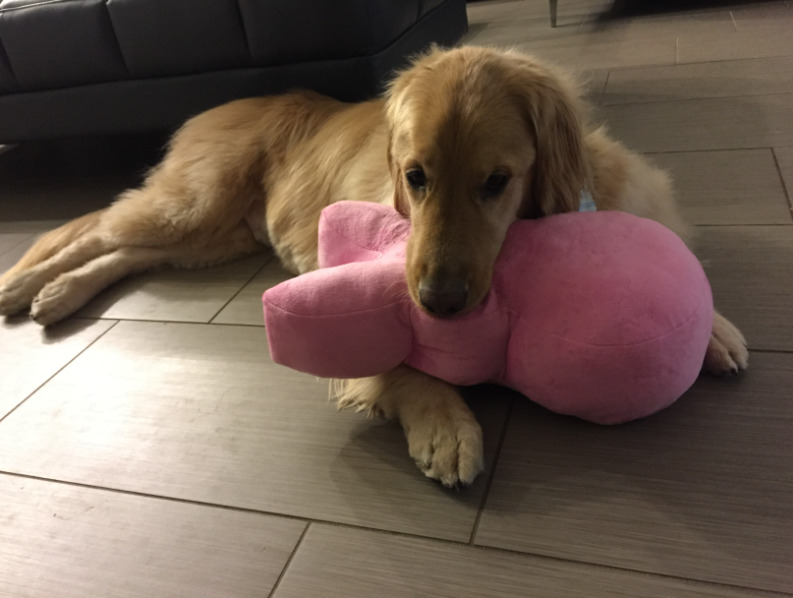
point(148, 447)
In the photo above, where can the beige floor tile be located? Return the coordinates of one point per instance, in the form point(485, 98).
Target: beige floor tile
point(641, 20)
point(246, 307)
point(727, 187)
point(569, 12)
point(73, 542)
point(699, 491)
point(9, 242)
point(593, 51)
point(30, 355)
point(593, 82)
point(749, 270)
point(173, 294)
point(771, 39)
point(704, 124)
point(594, 35)
point(12, 247)
point(581, 48)
point(337, 562)
point(702, 80)
point(199, 412)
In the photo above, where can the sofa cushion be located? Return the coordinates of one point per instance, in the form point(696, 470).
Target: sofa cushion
point(74, 43)
point(300, 30)
point(161, 37)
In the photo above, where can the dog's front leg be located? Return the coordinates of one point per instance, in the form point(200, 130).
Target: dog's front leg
point(444, 438)
point(727, 353)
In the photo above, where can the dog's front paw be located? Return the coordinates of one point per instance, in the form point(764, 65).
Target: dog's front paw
point(447, 449)
point(444, 438)
point(727, 352)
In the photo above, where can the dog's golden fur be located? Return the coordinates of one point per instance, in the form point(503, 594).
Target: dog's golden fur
point(465, 142)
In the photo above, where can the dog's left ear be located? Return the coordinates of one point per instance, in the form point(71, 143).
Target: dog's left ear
point(553, 111)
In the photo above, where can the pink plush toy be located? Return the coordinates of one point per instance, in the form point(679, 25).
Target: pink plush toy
point(605, 316)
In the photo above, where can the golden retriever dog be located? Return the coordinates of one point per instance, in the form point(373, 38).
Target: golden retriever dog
point(464, 142)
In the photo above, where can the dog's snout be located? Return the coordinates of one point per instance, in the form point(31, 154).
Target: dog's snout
point(443, 298)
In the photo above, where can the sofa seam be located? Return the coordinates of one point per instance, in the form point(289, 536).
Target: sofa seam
point(15, 80)
point(244, 28)
point(118, 42)
point(42, 3)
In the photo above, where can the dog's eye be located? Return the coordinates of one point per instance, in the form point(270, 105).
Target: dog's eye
point(494, 185)
point(416, 178)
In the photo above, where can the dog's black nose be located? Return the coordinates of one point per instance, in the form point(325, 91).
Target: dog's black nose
point(444, 298)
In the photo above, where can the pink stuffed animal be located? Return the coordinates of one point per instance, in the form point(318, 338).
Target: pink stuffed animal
point(605, 316)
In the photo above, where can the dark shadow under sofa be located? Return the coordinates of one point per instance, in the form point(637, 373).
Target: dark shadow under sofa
point(99, 67)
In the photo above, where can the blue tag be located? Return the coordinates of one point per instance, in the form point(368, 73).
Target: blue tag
point(587, 204)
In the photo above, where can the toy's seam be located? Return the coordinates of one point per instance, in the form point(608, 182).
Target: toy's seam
point(338, 230)
point(345, 314)
point(682, 324)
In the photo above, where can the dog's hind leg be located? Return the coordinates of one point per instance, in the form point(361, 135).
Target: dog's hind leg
point(74, 288)
point(52, 242)
point(63, 249)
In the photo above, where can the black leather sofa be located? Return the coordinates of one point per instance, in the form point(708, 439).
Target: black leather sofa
point(90, 67)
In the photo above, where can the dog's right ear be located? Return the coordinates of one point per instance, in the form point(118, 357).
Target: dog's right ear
point(397, 95)
point(401, 201)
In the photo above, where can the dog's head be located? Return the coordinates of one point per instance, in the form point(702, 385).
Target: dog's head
point(478, 139)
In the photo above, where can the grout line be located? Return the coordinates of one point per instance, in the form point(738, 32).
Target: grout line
point(186, 322)
point(606, 83)
point(709, 151)
point(773, 351)
point(651, 67)
point(492, 473)
point(64, 366)
point(174, 499)
point(289, 560)
point(680, 100)
point(237, 324)
point(782, 180)
point(744, 225)
point(245, 284)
